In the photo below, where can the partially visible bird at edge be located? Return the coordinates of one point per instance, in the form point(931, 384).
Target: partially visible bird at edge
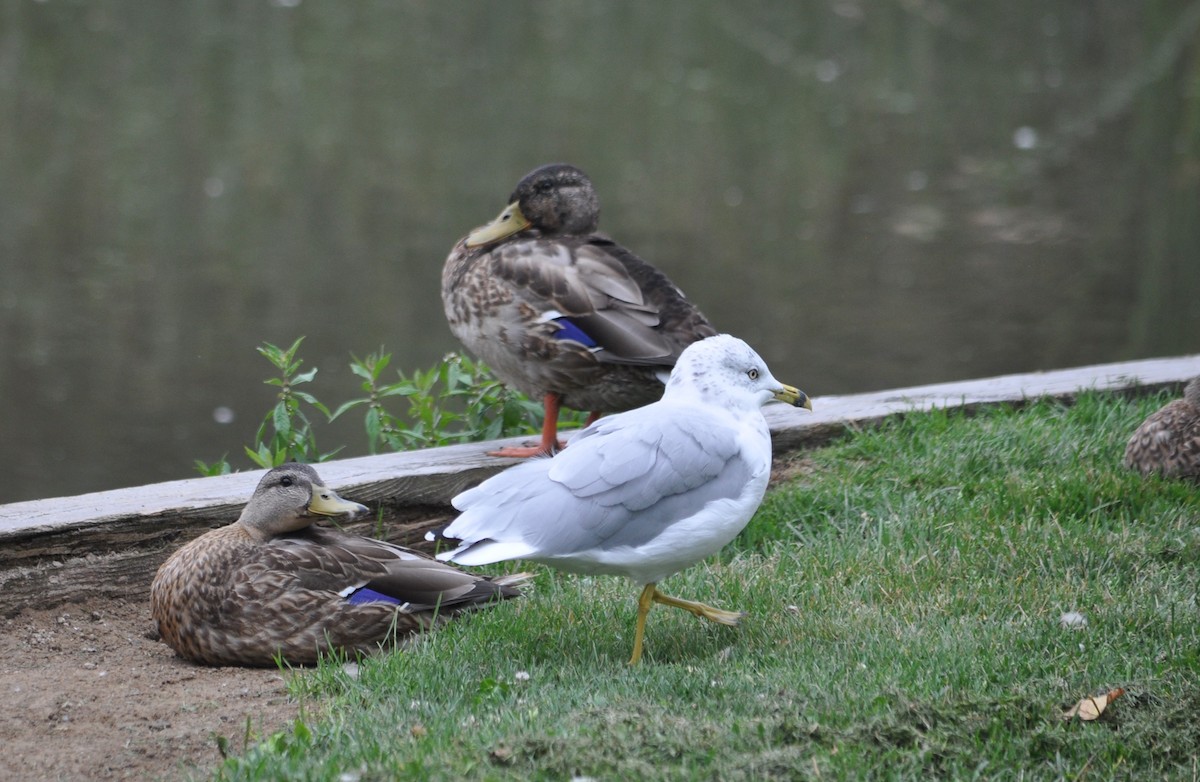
point(1168, 441)
point(562, 313)
point(273, 585)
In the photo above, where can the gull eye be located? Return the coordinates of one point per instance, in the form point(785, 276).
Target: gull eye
point(752, 374)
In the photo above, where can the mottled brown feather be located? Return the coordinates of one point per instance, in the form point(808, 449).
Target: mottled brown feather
point(260, 588)
point(1168, 441)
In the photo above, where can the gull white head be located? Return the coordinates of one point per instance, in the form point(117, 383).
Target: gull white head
point(725, 370)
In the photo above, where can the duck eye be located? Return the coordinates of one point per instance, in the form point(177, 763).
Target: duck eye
point(752, 374)
point(286, 481)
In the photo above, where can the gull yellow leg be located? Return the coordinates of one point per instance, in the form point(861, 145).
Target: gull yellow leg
point(730, 618)
point(650, 595)
point(645, 601)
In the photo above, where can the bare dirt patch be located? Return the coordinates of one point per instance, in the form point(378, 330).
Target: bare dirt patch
point(786, 469)
point(88, 693)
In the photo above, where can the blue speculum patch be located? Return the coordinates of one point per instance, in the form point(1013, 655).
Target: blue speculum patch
point(568, 330)
point(364, 596)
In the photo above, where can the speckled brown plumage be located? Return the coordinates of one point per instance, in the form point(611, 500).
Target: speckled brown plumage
point(1168, 441)
point(271, 584)
point(510, 287)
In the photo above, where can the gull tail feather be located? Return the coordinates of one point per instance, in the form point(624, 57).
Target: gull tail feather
point(485, 552)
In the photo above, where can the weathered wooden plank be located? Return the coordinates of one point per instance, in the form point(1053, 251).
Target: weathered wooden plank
point(111, 542)
point(427, 477)
point(832, 415)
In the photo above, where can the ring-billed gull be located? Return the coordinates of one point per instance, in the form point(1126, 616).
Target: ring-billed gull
point(1168, 441)
point(641, 494)
point(272, 585)
point(562, 313)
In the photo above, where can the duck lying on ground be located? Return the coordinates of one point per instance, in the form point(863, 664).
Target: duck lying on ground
point(272, 585)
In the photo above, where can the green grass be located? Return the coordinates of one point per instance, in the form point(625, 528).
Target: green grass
point(904, 596)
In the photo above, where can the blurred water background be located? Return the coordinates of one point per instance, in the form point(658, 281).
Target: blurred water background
point(874, 193)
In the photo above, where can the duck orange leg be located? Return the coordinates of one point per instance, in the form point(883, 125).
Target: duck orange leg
point(549, 445)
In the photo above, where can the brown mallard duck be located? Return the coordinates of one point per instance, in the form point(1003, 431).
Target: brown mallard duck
point(273, 585)
point(561, 312)
point(1168, 441)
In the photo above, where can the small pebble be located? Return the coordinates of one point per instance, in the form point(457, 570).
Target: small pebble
point(1073, 620)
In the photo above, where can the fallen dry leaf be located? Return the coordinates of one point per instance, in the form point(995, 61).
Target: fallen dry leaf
point(1091, 707)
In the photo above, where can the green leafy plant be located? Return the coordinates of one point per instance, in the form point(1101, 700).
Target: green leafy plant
point(286, 433)
point(291, 434)
point(457, 401)
point(219, 467)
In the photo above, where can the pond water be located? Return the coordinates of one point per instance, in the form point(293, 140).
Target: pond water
point(874, 194)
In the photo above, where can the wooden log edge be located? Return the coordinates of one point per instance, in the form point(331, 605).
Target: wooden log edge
point(110, 543)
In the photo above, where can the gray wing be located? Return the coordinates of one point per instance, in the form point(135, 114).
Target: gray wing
point(620, 483)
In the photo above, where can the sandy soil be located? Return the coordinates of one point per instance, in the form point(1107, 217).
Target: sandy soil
point(88, 693)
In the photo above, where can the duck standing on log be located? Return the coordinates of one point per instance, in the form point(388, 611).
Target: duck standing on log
point(561, 312)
